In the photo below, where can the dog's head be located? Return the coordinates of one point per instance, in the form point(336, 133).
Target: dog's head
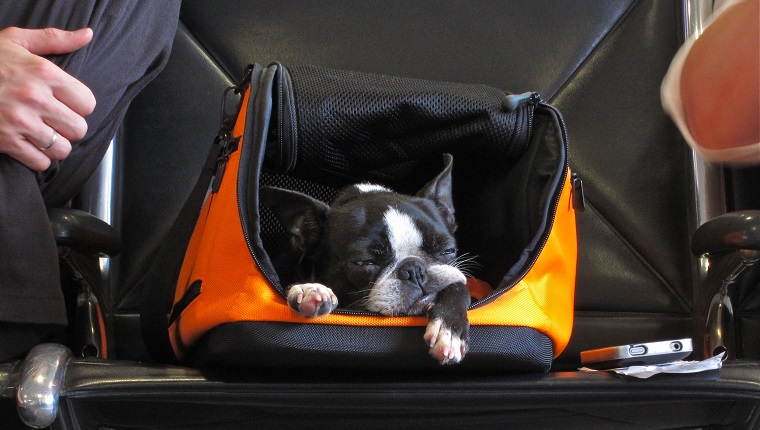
point(378, 250)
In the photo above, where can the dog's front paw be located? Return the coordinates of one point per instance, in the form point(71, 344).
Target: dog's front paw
point(311, 300)
point(447, 345)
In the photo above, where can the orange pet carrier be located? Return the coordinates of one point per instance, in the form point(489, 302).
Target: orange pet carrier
point(315, 130)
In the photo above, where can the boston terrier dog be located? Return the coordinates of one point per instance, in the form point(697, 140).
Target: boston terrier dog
point(380, 251)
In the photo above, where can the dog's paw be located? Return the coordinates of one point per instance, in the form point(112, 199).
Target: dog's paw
point(447, 345)
point(311, 300)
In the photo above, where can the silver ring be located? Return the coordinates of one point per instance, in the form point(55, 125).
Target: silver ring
point(52, 141)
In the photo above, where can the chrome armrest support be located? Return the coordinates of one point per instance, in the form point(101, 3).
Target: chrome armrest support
point(41, 383)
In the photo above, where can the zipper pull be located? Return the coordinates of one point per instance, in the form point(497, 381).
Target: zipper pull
point(512, 102)
point(579, 199)
point(224, 143)
point(228, 146)
point(231, 100)
point(240, 88)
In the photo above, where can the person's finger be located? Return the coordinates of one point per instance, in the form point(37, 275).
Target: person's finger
point(49, 40)
point(27, 134)
point(65, 121)
point(70, 91)
point(27, 153)
point(47, 80)
point(74, 94)
point(38, 103)
point(50, 142)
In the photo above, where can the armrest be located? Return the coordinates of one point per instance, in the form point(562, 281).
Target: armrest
point(735, 231)
point(83, 232)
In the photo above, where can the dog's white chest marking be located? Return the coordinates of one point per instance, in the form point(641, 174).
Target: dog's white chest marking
point(404, 237)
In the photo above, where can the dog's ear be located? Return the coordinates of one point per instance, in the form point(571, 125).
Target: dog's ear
point(439, 191)
point(302, 217)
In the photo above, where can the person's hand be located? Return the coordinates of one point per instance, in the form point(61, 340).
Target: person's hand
point(40, 104)
point(720, 81)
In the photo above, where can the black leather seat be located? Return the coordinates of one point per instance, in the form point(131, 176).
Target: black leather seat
point(601, 66)
point(600, 63)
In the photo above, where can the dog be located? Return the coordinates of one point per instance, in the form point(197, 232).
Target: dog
point(380, 251)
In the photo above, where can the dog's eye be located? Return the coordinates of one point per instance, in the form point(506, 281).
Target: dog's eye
point(364, 262)
point(449, 252)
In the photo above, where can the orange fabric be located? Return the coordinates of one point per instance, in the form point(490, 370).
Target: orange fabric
point(544, 298)
point(233, 289)
point(478, 289)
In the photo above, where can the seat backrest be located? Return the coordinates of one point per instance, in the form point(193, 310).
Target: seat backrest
point(600, 63)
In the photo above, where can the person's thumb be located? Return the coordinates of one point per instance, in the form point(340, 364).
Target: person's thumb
point(51, 40)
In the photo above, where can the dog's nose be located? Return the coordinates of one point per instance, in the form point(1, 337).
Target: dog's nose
point(414, 270)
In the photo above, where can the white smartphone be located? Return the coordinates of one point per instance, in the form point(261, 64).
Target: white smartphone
point(637, 354)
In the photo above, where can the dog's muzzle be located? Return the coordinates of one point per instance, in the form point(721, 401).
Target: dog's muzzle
point(413, 270)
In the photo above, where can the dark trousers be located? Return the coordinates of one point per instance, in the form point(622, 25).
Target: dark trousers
point(131, 44)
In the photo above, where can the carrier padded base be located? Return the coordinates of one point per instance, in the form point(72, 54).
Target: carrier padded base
point(276, 344)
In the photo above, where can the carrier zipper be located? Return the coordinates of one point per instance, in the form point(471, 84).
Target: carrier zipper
point(244, 163)
point(280, 122)
point(224, 141)
point(513, 102)
point(352, 312)
point(289, 154)
point(533, 101)
point(555, 205)
point(228, 145)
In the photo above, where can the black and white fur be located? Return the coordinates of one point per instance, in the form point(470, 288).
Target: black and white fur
point(380, 251)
